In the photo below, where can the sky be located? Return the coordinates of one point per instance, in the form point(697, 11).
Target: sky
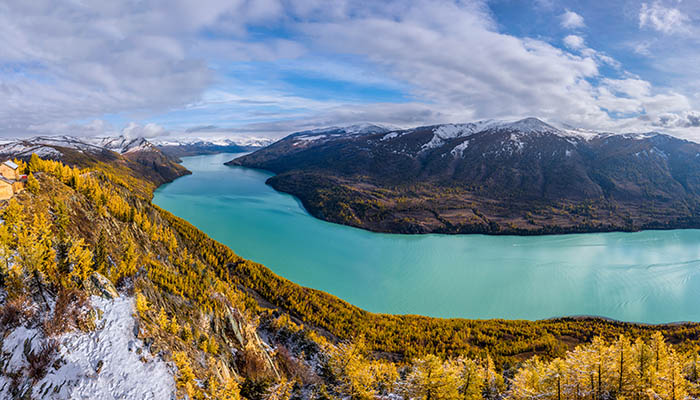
point(267, 68)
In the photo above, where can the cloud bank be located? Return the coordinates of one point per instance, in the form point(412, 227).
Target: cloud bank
point(166, 65)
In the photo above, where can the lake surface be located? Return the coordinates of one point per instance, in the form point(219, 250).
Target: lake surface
point(650, 276)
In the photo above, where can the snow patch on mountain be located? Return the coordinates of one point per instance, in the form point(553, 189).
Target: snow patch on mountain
point(336, 131)
point(458, 151)
point(444, 133)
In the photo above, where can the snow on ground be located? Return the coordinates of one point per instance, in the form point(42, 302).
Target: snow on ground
point(108, 363)
point(20, 150)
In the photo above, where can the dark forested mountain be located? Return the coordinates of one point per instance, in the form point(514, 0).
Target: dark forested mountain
point(489, 177)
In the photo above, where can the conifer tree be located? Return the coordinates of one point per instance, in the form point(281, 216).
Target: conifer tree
point(430, 379)
point(13, 216)
point(33, 184)
point(163, 319)
point(80, 261)
point(173, 326)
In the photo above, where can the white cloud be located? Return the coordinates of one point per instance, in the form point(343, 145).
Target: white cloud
point(80, 61)
point(150, 130)
point(661, 18)
point(73, 60)
point(571, 20)
point(574, 42)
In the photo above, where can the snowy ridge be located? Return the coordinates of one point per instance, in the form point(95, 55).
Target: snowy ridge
point(120, 144)
point(443, 133)
point(107, 363)
point(335, 131)
point(49, 146)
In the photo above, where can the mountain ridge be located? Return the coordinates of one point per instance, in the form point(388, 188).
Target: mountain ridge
point(494, 177)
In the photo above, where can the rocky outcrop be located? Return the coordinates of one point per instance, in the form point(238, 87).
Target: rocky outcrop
point(98, 285)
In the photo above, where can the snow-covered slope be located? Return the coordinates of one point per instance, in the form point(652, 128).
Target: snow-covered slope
point(121, 144)
point(304, 138)
point(107, 363)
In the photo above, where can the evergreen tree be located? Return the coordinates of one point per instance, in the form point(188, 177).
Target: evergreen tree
point(33, 184)
point(80, 261)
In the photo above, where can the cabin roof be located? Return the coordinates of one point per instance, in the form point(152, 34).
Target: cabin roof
point(5, 180)
point(11, 164)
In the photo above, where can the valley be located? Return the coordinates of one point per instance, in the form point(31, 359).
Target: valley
point(648, 276)
point(90, 263)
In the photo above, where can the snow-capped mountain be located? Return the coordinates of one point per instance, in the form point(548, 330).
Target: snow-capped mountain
point(121, 144)
point(506, 167)
point(190, 146)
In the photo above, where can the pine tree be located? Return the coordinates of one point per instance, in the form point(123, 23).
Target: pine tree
point(530, 381)
point(471, 377)
point(142, 306)
point(493, 381)
point(6, 252)
point(33, 184)
point(430, 379)
point(173, 326)
point(34, 163)
point(13, 216)
point(80, 261)
point(100, 255)
point(350, 368)
point(163, 321)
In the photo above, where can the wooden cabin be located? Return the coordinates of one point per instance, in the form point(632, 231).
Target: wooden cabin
point(11, 181)
point(10, 170)
point(6, 189)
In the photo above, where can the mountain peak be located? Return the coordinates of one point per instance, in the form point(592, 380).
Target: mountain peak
point(529, 125)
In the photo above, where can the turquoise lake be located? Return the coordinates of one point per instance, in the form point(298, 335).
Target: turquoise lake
point(650, 276)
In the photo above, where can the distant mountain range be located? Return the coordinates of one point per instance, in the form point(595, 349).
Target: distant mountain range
point(158, 157)
point(496, 177)
point(191, 147)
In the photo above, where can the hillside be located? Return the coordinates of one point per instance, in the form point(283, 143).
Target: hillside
point(137, 157)
point(104, 294)
point(494, 177)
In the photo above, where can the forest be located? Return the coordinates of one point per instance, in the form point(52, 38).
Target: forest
point(235, 330)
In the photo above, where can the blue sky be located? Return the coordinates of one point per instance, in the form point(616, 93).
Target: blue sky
point(270, 67)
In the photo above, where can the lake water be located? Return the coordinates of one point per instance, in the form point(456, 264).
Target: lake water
point(650, 276)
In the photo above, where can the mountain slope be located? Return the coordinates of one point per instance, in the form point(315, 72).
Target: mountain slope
point(104, 294)
point(523, 177)
point(138, 156)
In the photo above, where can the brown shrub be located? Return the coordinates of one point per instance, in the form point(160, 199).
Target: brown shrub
point(252, 363)
point(40, 361)
point(71, 311)
point(17, 311)
point(291, 367)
